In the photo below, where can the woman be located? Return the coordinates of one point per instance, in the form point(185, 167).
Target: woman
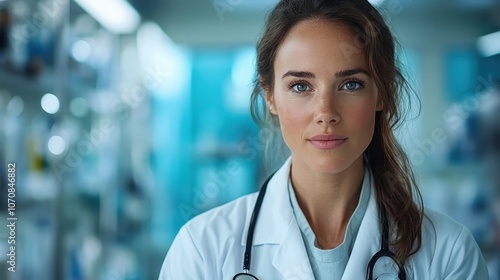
point(346, 197)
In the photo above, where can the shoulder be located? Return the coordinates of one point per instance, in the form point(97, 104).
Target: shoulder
point(442, 233)
point(223, 221)
point(441, 225)
point(203, 243)
point(449, 248)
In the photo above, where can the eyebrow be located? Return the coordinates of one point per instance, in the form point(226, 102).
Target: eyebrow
point(340, 74)
point(298, 74)
point(350, 72)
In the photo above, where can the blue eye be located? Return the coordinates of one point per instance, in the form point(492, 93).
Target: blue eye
point(352, 86)
point(300, 87)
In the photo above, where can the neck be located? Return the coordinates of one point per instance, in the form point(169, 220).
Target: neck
point(328, 200)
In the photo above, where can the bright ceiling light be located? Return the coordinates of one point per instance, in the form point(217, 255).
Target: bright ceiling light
point(81, 50)
point(489, 45)
point(56, 145)
point(50, 103)
point(115, 15)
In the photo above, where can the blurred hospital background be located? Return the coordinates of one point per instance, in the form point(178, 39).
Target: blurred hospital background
point(126, 119)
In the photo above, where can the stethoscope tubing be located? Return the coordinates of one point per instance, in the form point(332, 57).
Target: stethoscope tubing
point(383, 252)
point(253, 222)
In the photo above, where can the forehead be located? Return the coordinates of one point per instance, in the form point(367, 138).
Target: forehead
point(320, 45)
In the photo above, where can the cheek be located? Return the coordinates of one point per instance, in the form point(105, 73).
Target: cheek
point(289, 114)
point(293, 121)
point(363, 119)
point(290, 111)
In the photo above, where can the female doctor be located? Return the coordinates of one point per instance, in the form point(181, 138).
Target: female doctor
point(345, 204)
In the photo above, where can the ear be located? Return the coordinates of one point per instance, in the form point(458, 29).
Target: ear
point(270, 102)
point(269, 96)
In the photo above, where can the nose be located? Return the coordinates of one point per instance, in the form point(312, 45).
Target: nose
point(326, 110)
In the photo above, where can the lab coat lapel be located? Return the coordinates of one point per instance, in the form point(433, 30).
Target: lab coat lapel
point(291, 258)
point(277, 225)
point(367, 241)
point(276, 212)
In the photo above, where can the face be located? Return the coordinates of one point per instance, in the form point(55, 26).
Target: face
point(324, 96)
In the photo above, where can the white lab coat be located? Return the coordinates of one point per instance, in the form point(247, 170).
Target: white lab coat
point(211, 245)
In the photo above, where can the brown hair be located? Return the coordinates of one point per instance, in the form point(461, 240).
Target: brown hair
point(397, 193)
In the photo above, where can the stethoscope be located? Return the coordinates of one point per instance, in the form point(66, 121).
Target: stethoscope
point(383, 252)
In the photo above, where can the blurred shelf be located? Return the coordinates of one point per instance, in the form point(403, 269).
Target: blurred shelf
point(28, 88)
point(32, 89)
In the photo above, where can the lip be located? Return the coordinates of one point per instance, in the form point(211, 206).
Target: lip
point(327, 141)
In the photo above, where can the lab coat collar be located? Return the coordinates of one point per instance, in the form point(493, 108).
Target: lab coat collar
point(276, 225)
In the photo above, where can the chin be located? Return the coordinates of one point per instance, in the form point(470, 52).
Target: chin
point(329, 165)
